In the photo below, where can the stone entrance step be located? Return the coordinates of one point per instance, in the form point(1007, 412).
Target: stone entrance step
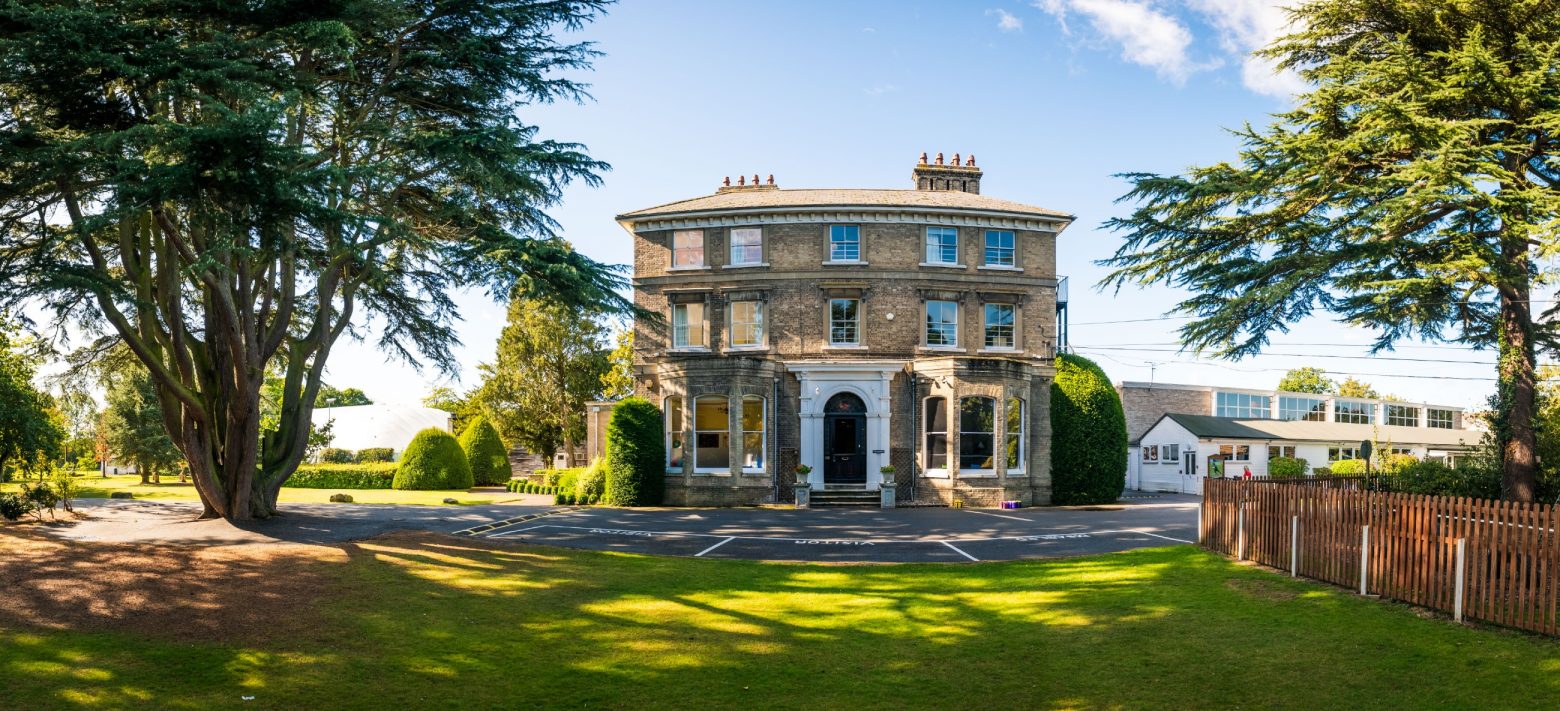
point(846, 497)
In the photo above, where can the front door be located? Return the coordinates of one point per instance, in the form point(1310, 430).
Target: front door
point(845, 440)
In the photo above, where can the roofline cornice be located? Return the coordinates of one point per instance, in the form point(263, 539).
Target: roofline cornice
point(954, 217)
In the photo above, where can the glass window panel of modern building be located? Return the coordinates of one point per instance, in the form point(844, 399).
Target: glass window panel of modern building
point(1000, 248)
point(674, 433)
point(688, 326)
point(844, 322)
point(747, 324)
point(942, 323)
point(1438, 418)
point(977, 433)
point(999, 326)
point(1015, 435)
point(1311, 409)
point(753, 434)
point(1403, 415)
point(935, 425)
point(688, 248)
point(711, 435)
point(1357, 413)
point(1242, 405)
point(844, 243)
point(747, 245)
point(942, 245)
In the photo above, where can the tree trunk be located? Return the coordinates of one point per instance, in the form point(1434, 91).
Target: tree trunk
point(1516, 396)
point(568, 448)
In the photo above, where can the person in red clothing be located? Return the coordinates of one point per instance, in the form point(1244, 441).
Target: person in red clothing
point(1248, 472)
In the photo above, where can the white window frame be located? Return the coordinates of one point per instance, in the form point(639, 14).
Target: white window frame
point(756, 323)
point(1150, 453)
point(1398, 420)
point(1342, 453)
point(743, 255)
point(678, 250)
point(855, 324)
point(1237, 402)
point(674, 431)
point(855, 244)
point(1169, 454)
point(680, 331)
point(978, 471)
point(926, 439)
point(941, 233)
point(1284, 450)
point(725, 431)
point(926, 323)
point(1347, 407)
point(762, 432)
point(1235, 451)
point(1431, 420)
point(1010, 251)
point(1008, 433)
point(986, 326)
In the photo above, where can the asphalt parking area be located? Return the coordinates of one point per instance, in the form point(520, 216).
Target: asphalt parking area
point(859, 535)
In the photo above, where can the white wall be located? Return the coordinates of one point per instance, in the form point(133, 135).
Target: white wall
point(1165, 475)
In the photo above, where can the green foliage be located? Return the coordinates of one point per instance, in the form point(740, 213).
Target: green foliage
point(1348, 467)
point(433, 460)
point(332, 455)
point(636, 454)
point(1393, 463)
point(29, 436)
point(557, 477)
point(374, 455)
point(618, 382)
point(1411, 189)
point(463, 408)
point(336, 397)
point(225, 186)
point(14, 506)
point(1306, 380)
point(1350, 387)
point(1287, 467)
point(1088, 435)
point(592, 484)
point(487, 454)
point(549, 363)
point(133, 422)
point(379, 475)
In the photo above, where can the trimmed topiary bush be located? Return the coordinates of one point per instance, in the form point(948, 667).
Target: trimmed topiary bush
point(592, 483)
point(433, 460)
point(1287, 467)
point(636, 455)
point(1088, 435)
point(332, 455)
point(486, 452)
point(342, 476)
point(375, 455)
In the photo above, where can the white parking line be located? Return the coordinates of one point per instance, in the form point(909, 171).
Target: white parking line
point(729, 539)
point(1011, 518)
point(511, 533)
point(956, 550)
point(1168, 538)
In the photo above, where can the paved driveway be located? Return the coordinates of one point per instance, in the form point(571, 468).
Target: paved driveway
point(860, 535)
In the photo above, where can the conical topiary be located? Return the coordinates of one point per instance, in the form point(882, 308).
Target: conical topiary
point(486, 453)
point(433, 460)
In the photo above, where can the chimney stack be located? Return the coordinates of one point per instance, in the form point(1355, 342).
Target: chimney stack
point(742, 184)
point(961, 176)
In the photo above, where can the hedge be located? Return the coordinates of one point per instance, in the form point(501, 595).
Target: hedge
point(556, 477)
point(342, 476)
point(332, 455)
point(373, 455)
point(433, 460)
point(1287, 467)
point(636, 454)
point(1348, 467)
point(1088, 435)
point(486, 453)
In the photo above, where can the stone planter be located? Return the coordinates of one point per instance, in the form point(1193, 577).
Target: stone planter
point(887, 494)
point(803, 495)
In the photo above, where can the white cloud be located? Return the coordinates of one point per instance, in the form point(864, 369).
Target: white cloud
point(1007, 21)
point(1147, 36)
point(1247, 25)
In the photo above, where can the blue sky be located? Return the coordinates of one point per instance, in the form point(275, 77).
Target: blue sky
point(1054, 97)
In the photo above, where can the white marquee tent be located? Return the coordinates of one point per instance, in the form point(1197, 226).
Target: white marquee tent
point(365, 426)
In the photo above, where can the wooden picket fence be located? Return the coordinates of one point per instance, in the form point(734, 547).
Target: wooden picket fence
point(1492, 561)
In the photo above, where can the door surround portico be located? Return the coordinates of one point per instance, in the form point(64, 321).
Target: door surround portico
point(868, 380)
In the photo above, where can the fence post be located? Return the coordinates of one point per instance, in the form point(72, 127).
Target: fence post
point(1294, 546)
point(1240, 533)
point(1462, 561)
point(1364, 558)
point(1199, 520)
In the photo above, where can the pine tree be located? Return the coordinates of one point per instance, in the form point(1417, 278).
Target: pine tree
point(1412, 190)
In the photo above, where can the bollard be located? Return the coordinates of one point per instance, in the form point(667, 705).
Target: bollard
point(1294, 546)
point(1364, 558)
point(1462, 567)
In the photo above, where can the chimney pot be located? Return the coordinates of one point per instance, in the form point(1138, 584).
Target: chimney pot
point(771, 178)
point(742, 180)
point(726, 182)
point(955, 159)
point(755, 178)
point(939, 158)
point(923, 157)
point(971, 162)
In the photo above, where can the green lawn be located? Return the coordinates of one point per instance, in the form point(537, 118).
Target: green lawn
point(97, 487)
point(436, 622)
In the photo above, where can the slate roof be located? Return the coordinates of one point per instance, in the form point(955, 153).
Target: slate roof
point(1210, 427)
point(844, 198)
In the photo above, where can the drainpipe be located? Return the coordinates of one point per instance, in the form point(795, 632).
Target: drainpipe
point(773, 425)
point(915, 436)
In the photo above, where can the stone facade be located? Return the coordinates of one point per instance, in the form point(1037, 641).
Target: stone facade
point(783, 270)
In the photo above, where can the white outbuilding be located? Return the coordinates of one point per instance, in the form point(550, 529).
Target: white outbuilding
point(369, 426)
